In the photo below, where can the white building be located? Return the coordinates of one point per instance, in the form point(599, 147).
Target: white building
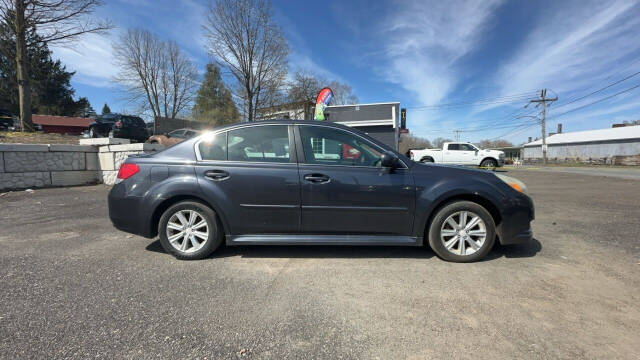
point(619, 145)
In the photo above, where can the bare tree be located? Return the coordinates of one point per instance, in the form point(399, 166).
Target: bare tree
point(438, 142)
point(488, 144)
point(410, 142)
point(155, 73)
point(56, 21)
point(243, 38)
point(306, 85)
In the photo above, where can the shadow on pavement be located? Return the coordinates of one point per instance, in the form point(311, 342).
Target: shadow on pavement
point(302, 251)
point(529, 249)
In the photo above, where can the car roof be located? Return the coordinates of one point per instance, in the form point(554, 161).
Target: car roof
point(283, 122)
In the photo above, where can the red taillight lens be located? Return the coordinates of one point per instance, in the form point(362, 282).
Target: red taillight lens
point(411, 154)
point(118, 124)
point(127, 170)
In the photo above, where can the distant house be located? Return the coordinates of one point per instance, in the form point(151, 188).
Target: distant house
point(300, 110)
point(62, 124)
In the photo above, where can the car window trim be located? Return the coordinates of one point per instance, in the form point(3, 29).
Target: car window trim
point(292, 154)
point(302, 155)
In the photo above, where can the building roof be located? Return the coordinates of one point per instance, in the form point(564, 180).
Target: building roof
point(610, 134)
point(61, 120)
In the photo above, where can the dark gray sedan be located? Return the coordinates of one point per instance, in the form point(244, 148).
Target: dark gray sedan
point(292, 182)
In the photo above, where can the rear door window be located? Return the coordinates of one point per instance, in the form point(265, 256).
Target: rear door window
point(268, 143)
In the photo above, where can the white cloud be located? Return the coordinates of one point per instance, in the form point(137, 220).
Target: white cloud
point(576, 45)
point(91, 57)
point(422, 43)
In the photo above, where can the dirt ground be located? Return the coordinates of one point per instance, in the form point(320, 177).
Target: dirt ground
point(71, 286)
point(37, 138)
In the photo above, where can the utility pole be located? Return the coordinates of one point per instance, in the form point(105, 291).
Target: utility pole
point(457, 134)
point(543, 101)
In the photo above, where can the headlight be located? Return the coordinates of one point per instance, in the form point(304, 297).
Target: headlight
point(513, 182)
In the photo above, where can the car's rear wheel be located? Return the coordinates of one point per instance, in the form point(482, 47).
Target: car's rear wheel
point(426, 160)
point(190, 230)
point(489, 164)
point(462, 231)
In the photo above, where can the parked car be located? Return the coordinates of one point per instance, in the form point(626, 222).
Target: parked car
point(119, 126)
point(460, 153)
point(150, 128)
point(6, 119)
point(173, 137)
point(295, 182)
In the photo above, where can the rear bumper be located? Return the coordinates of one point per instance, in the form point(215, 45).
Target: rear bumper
point(131, 134)
point(515, 227)
point(126, 212)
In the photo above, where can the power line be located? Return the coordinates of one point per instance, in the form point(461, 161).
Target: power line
point(597, 101)
point(599, 90)
point(484, 101)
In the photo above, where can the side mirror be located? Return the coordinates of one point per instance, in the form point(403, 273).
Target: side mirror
point(390, 160)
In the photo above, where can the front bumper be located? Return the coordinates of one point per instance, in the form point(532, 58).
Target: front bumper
point(517, 214)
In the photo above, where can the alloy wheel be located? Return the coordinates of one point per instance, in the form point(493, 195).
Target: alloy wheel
point(463, 233)
point(187, 231)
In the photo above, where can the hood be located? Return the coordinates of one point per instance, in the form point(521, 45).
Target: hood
point(458, 169)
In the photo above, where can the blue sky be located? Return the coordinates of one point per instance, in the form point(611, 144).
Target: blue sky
point(489, 55)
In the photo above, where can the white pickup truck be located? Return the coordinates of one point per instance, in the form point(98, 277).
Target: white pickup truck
point(460, 153)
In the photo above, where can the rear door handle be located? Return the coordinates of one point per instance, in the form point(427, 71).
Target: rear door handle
point(216, 175)
point(317, 178)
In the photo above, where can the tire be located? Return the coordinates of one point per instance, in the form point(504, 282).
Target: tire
point(426, 160)
point(462, 251)
point(203, 246)
point(489, 163)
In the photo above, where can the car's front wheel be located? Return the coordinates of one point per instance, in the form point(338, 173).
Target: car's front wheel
point(489, 164)
point(462, 231)
point(190, 230)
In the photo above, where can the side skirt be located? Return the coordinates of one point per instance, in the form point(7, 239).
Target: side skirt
point(269, 239)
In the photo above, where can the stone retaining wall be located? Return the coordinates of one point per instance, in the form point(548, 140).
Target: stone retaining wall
point(26, 166)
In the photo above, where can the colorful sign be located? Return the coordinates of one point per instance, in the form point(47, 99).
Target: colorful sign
point(322, 101)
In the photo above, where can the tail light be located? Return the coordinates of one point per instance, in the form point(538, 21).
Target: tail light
point(118, 124)
point(411, 155)
point(127, 170)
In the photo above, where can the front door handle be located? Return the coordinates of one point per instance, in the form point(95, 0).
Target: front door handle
point(317, 178)
point(216, 175)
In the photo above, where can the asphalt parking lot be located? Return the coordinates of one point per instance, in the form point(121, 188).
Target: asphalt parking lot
point(74, 287)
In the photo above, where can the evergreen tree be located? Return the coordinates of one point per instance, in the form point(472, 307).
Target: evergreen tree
point(84, 109)
point(51, 90)
point(214, 103)
point(106, 109)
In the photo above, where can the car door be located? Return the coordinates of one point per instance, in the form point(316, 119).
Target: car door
point(250, 174)
point(344, 188)
point(467, 154)
point(457, 154)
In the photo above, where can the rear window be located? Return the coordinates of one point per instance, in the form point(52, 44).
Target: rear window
point(133, 121)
